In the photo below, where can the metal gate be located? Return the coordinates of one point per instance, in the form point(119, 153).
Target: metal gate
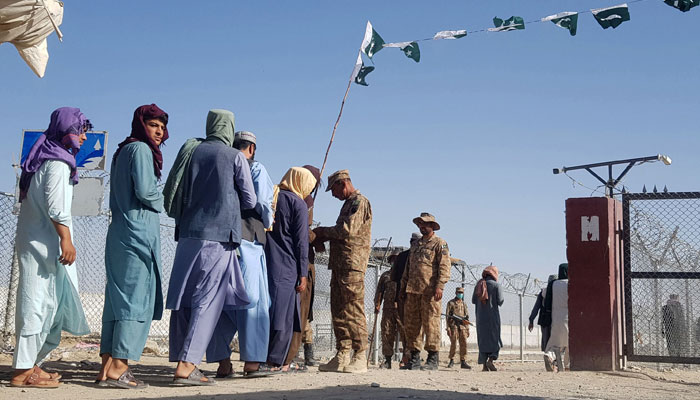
point(661, 239)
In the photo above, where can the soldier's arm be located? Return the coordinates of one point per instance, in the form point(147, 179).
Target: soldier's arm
point(379, 294)
point(450, 309)
point(444, 265)
point(347, 225)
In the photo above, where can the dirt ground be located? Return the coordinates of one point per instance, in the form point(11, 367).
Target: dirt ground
point(514, 380)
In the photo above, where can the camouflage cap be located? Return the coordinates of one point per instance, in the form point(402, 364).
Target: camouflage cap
point(245, 135)
point(429, 218)
point(336, 176)
point(459, 290)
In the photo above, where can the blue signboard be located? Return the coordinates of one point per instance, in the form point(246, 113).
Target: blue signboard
point(90, 156)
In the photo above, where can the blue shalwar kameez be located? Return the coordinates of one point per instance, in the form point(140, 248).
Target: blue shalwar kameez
point(253, 322)
point(206, 283)
point(133, 294)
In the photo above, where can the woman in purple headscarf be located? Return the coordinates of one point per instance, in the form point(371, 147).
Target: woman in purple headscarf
point(133, 293)
point(47, 296)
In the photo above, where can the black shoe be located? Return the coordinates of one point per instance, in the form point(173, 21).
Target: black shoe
point(464, 365)
point(451, 363)
point(414, 362)
point(489, 364)
point(309, 355)
point(386, 364)
point(431, 364)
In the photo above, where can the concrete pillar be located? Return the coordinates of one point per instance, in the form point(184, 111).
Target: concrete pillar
point(595, 329)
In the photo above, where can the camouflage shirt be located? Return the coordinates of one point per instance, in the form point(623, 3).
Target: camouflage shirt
point(458, 308)
point(428, 266)
point(350, 237)
point(386, 290)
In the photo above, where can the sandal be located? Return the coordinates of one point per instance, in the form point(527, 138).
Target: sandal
point(126, 381)
point(35, 380)
point(194, 379)
point(296, 367)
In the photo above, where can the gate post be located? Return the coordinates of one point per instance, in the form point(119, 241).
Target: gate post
point(595, 330)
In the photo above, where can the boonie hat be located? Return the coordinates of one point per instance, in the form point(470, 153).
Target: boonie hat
point(429, 218)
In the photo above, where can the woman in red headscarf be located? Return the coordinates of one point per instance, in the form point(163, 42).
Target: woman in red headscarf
point(133, 294)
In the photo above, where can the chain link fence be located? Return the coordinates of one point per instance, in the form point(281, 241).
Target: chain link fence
point(90, 235)
point(662, 276)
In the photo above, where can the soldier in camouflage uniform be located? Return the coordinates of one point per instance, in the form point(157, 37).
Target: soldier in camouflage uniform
point(458, 330)
point(349, 254)
point(426, 273)
point(387, 290)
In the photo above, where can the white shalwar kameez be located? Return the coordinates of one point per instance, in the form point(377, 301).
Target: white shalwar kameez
point(47, 295)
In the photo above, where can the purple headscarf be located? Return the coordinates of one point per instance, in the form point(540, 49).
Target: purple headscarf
point(59, 142)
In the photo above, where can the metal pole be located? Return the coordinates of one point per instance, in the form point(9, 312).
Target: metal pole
point(522, 331)
point(10, 309)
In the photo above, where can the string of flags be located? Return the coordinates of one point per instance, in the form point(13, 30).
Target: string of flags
point(609, 17)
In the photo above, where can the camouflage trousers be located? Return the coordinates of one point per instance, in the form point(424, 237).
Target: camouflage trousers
point(348, 310)
point(307, 337)
point(390, 326)
point(422, 311)
point(458, 334)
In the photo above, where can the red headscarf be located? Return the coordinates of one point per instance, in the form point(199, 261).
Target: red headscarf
point(481, 290)
point(138, 133)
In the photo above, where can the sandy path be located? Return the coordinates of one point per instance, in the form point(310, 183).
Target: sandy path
point(514, 380)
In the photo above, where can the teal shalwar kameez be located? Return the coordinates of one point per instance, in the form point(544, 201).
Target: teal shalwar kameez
point(133, 295)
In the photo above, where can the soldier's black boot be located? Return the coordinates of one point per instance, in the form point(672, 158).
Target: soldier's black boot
point(451, 363)
point(309, 355)
point(387, 363)
point(414, 362)
point(431, 364)
point(464, 365)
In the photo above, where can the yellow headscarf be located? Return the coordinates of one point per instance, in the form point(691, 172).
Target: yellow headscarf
point(297, 180)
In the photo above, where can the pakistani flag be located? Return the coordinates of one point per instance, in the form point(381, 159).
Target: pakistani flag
point(410, 49)
point(510, 24)
point(612, 17)
point(683, 5)
point(372, 42)
point(360, 71)
point(452, 34)
point(567, 20)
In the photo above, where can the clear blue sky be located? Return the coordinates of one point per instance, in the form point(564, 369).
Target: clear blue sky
point(470, 134)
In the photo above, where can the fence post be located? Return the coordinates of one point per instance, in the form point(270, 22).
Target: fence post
point(375, 343)
point(522, 331)
point(11, 300)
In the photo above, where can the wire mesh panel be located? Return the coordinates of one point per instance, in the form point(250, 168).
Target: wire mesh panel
point(662, 276)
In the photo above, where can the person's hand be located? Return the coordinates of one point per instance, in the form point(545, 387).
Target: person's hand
point(376, 309)
point(529, 327)
point(302, 284)
point(67, 256)
point(438, 294)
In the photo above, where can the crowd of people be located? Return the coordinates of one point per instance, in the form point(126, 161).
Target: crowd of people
point(244, 262)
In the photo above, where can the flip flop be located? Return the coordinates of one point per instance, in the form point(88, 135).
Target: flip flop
point(258, 373)
point(34, 380)
point(194, 379)
point(124, 382)
point(295, 367)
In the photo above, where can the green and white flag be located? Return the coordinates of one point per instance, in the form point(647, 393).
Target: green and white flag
point(567, 20)
point(683, 5)
point(410, 49)
point(612, 17)
point(452, 34)
point(510, 24)
point(360, 71)
point(372, 42)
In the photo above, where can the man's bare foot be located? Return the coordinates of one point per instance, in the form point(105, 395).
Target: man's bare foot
point(225, 368)
point(184, 369)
